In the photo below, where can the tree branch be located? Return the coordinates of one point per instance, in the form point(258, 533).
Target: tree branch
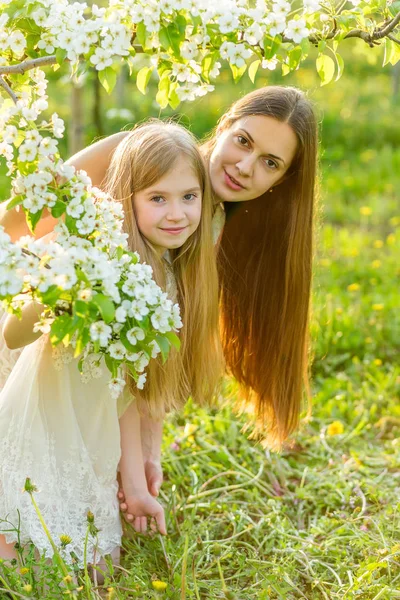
point(9, 91)
point(391, 37)
point(27, 65)
point(388, 28)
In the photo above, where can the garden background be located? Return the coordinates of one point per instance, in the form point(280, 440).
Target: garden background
point(321, 519)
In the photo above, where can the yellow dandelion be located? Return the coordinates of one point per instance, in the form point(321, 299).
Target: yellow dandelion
point(339, 310)
point(377, 362)
point(365, 211)
point(335, 428)
point(394, 221)
point(159, 586)
point(353, 287)
point(189, 429)
point(390, 240)
point(378, 306)
point(27, 588)
point(65, 540)
point(376, 264)
point(354, 252)
point(24, 570)
point(378, 244)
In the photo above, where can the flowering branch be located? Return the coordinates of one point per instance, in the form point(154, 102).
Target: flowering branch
point(27, 65)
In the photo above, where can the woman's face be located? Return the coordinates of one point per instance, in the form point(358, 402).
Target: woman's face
point(251, 157)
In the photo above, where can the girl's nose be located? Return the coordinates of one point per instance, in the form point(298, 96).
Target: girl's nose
point(175, 211)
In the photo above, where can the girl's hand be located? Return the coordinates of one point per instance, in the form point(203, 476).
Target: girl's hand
point(141, 506)
point(154, 478)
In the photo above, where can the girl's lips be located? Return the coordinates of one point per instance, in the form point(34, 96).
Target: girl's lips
point(232, 184)
point(173, 230)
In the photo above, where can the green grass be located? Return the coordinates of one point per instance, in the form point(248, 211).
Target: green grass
point(321, 519)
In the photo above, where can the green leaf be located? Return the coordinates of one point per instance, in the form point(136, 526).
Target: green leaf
point(173, 339)
point(143, 78)
point(325, 68)
point(164, 346)
point(340, 66)
point(271, 46)
point(105, 306)
point(253, 68)
point(61, 56)
point(15, 201)
point(33, 219)
point(141, 34)
point(80, 308)
point(237, 72)
point(61, 327)
point(170, 38)
point(51, 295)
point(207, 65)
point(181, 23)
point(389, 52)
point(108, 79)
point(112, 364)
point(58, 209)
point(173, 98)
point(295, 58)
point(163, 91)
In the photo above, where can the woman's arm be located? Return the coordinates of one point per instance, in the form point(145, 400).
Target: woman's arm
point(94, 159)
point(17, 332)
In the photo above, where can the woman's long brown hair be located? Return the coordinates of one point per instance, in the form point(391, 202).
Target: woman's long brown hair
point(265, 268)
point(148, 153)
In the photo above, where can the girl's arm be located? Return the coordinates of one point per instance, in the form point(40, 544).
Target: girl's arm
point(19, 332)
point(140, 503)
point(151, 432)
point(94, 159)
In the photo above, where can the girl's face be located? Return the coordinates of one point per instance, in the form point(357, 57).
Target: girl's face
point(251, 157)
point(169, 211)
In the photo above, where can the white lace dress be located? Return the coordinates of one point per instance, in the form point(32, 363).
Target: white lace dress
point(64, 435)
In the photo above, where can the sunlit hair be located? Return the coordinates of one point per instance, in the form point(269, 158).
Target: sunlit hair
point(148, 153)
point(265, 264)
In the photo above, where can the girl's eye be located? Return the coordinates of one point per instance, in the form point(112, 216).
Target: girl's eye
point(242, 140)
point(157, 199)
point(271, 163)
point(190, 197)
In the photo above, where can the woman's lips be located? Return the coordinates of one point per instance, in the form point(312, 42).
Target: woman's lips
point(232, 183)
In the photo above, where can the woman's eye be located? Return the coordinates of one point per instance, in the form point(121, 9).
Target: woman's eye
point(190, 197)
point(271, 163)
point(242, 140)
point(157, 199)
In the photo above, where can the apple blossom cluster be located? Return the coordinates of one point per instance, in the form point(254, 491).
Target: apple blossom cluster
point(98, 297)
point(183, 40)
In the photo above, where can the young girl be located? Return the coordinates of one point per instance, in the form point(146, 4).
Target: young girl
point(68, 437)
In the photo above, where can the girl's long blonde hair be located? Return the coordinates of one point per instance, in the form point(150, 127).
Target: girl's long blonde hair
point(148, 153)
point(265, 264)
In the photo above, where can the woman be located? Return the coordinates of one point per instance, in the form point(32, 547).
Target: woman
point(262, 160)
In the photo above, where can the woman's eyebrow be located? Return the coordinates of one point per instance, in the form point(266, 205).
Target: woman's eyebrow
point(267, 153)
